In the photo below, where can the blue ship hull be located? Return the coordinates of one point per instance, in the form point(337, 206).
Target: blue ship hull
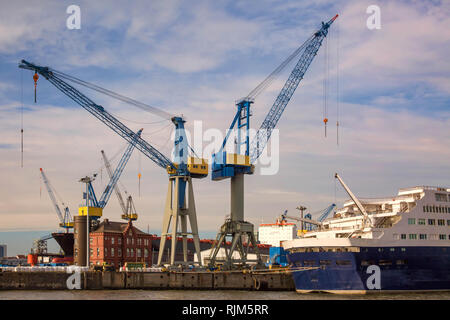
point(409, 269)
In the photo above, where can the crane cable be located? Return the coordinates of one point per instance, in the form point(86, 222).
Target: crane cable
point(21, 119)
point(163, 114)
point(271, 77)
point(325, 84)
point(337, 86)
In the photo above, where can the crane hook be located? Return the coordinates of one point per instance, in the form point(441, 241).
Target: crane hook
point(35, 78)
point(325, 120)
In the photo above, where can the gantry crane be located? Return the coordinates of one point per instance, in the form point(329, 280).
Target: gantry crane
point(65, 220)
point(180, 171)
point(235, 165)
point(128, 209)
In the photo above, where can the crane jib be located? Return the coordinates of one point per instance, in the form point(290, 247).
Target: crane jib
point(100, 113)
point(264, 132)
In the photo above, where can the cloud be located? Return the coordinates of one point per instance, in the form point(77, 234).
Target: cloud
point(196, 59)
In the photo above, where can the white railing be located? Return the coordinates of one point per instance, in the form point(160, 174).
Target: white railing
point(44, 269)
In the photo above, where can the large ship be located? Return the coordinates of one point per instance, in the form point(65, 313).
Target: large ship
point(400, 243)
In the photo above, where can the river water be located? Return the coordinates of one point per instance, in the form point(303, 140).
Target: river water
point(204, 295)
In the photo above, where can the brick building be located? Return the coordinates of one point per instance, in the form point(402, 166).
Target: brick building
point(116, 243)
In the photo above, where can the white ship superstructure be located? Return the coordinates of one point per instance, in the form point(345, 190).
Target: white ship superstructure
point(416, 216)
point(405, 237)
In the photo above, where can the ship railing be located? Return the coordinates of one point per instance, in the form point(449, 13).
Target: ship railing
point(44, 269)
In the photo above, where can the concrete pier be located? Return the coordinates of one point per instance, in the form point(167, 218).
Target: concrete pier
point(92, 280)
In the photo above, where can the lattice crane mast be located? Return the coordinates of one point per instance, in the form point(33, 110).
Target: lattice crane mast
point(65, 219)
point(128, 209)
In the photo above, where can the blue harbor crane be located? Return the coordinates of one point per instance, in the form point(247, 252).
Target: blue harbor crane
point(128, 209)
point(326, 212)
point(96, 207)
point(180, 205)
point(235, 165)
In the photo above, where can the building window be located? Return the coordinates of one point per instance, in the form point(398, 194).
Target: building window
point(411, 221)
point(91, 240)
point(112, 251)
point(403, 236)
point(119, 241)
point(91, 252)
point(431, 222)
point(396, 237)
point(412, 236)
point(112, 240)
point(442, 237)
point(421, 222)
point(128, 252)
point(422, 236)
point(98, 252)
point(119, 251)
point(424, 208)
point(146, 251)
point(132, 252)
point(441, 222)
point(441, 196)
point(138, 251)
point(433, 236)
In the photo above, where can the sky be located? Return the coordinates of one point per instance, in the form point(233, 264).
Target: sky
point(389, 89)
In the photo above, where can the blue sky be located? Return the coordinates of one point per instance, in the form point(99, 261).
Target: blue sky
point(196, 59)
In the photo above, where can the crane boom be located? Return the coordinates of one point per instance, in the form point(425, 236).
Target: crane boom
point(116, 188)
point(100, 113)
point(117, 173)
point(52, 196)
point(264, 132)
point(317, 223)
point(326, 212)
point(354, 198)
point(64, 219)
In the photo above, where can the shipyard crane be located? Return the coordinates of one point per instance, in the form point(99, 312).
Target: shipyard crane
point(96, 207)
point(235, 165)
point(180, 205)
point(65, 220)
point(367, 221)
point(128, 209)
point(308, 217)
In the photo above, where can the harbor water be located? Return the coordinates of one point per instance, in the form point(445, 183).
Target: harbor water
point(205, 295)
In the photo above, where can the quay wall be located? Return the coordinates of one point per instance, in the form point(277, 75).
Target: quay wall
point(95, 280)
